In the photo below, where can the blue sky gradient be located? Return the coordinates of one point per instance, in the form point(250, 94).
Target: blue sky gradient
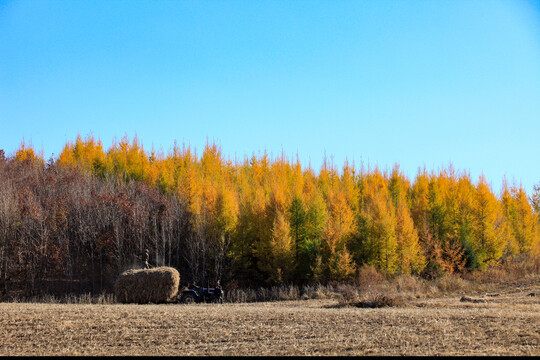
point(418, 83)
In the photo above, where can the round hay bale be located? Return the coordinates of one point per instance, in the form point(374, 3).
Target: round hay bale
point(157, 285)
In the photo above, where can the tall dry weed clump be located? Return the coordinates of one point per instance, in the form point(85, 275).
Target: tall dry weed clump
point(314, 291)
point(410, 285)
point(347, 294)
point(290, 292)
point(243, 295)
point(275, 293)
point(492, 275)
point(451, 283)
point(368, 276)
point(157, 285)
point(513, 270)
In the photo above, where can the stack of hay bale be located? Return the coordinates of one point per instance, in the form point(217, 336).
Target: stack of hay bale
point(157, 285)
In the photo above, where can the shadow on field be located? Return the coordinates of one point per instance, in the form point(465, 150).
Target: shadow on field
point(378, 301)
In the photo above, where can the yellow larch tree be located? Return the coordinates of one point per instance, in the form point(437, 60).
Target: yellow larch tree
point(419, 196)
point(282, 250)
point(27, 153)
point(490, 233)
point(87, 155)
point(523, 221)
point(409, 254)
point(341, 193)
point(376, 241)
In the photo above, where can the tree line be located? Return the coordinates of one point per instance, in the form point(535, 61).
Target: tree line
point(73, 223)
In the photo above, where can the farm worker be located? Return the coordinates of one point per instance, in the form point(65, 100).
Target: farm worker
point(146, 256)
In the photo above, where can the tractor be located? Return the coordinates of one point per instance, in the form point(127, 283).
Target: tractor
point(197, 294)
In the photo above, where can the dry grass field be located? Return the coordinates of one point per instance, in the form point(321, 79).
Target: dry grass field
point(504, 322)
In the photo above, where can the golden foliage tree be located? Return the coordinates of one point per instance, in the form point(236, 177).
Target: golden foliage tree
point(268, 220)
point(489, 227)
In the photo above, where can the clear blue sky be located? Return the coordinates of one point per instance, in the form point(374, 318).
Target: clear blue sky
point(413, 82)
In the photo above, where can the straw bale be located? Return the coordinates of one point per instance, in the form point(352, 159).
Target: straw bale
point(156, 285)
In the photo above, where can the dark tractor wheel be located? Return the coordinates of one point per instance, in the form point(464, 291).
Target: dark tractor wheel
point(188, 299)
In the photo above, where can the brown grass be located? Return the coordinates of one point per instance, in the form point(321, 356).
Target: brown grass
point(505, 322)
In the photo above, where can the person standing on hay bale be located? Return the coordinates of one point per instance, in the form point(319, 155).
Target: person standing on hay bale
point(145, 257)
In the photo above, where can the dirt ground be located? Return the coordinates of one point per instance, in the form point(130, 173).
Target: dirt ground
point(499, 323)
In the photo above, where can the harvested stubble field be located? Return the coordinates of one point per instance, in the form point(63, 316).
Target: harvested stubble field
point(503, 323)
